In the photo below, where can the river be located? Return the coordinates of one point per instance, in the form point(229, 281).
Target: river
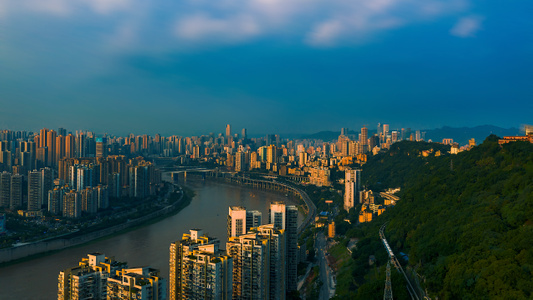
point(146, 246)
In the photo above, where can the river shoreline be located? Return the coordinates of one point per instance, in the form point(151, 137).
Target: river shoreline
point(14, 255)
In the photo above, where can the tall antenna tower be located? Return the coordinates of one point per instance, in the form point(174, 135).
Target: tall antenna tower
point(388, 287)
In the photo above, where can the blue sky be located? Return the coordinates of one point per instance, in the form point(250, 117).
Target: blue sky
point(272, 66)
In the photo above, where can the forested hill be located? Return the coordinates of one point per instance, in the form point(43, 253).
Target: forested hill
point(465, 220)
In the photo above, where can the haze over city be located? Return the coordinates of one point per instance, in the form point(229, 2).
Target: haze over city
point(190, 67)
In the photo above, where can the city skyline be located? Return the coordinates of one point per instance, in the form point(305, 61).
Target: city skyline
point(192, 67)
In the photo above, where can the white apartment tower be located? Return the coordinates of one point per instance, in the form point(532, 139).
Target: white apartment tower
point(240, 221)
point(352, 186)
point(286, 218)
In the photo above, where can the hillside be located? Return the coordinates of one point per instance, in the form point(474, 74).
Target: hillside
point(466, 222)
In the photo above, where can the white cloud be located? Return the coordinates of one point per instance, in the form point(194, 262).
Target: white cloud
point(108, 6)
point(69, 7)
point(318, 22)
point(201, 26)
point(467, 26)
point(314, 22)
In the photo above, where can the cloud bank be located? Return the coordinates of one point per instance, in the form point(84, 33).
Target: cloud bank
point(317, 23)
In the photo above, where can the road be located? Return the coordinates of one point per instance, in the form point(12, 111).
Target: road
point(326, 274)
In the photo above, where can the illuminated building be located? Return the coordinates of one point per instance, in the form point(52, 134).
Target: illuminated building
point(136, 283)
point(88, 280)
point(352, 186)
point(199, 269)
point(286, 218)
point(251, 266)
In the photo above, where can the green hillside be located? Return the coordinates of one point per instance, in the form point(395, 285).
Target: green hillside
point(466, 222)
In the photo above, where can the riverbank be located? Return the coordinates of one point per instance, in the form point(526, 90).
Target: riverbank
point(34, 250)
point(277, 187)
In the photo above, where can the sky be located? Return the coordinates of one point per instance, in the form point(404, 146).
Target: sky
point(273, 66)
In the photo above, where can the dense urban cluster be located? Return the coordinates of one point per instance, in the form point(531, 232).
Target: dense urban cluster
point(259, 262)
point(67, 176)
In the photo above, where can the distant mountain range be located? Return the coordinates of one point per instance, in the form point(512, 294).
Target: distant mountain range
point(460, 135)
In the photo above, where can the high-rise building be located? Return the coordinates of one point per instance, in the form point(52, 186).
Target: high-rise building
point(272, 154)
point(60, 149)
point(278, 279)
point(286, 217)
point(228, 130)
point(70, 146)
point(88, 280)
point(62, 131)
point(72, 204)
point(5, 189)
point(364, 138)
point(142, 283)
point(102, 196)
point(251, 266)
point(47, 183)
point(138, 183)
point(16, 192)
point(254, 218)
point(199, 269)
point(89, 200)
point(51, 145)
point(34, 191)
point(394, 137)
point(101, 147)
point(240, 163)
point(55, 201)
point(240, 221)
point(352, 187)
point(243, 133)
point(236, 221)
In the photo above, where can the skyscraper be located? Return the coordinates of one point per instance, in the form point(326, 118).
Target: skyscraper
point(5, 189)
point(272, 154)
point(240, 221)
point(240, 163)
point(55, 201)
point(278, 279)
point(286, 218)
point(228, 130)
point(364, 139)
point(16, 192)
point(251, 265)
point(199, 269)
point(72, 204)
point(51, 145)
point(47, 183)
point(352, 186)
point(236, 221)
point(34, 191)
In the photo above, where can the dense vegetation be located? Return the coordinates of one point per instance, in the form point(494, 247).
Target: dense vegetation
point(465, 220)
